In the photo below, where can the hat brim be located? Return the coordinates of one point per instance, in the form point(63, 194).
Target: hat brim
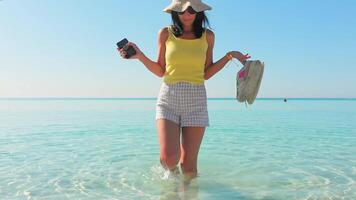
point(179, 7)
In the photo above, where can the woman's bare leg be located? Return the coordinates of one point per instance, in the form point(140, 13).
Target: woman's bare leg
point(191, 140)
point(169, 141)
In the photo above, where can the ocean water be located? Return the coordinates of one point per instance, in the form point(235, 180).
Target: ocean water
point(108, 149)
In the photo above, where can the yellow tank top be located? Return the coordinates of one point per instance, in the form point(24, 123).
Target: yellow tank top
point(185, 59)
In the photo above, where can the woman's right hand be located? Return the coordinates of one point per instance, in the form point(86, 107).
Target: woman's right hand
point(138, 54)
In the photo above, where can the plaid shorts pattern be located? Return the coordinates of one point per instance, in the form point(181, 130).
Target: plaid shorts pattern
point(183, 103)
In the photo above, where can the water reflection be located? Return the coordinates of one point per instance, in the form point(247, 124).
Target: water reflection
point(181, 190)
point(177, 187)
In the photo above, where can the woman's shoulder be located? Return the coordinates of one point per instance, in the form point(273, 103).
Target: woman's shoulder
point(163, 34)
point(210, 36)
point(209, 33)
point(163, 31)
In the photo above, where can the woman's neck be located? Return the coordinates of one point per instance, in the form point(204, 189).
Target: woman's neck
point(187, 29)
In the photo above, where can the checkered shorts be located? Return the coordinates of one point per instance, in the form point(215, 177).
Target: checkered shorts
point(183, 103)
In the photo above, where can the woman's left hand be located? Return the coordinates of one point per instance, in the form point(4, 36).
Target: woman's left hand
point(239, 56)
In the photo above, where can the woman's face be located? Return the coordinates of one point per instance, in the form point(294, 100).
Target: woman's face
point(188, 16)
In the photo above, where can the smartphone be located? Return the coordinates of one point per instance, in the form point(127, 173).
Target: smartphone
point(130, 51)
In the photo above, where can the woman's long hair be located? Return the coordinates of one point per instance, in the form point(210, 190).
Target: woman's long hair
point(199, 24)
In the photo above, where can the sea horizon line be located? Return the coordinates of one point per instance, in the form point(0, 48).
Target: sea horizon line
point(155, 98)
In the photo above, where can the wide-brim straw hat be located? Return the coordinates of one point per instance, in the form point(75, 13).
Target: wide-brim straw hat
point(182, 5)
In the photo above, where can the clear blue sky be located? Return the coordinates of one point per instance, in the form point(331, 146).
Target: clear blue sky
point(67, 48)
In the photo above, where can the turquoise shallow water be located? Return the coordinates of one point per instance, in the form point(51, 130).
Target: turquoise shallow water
point(108, 149)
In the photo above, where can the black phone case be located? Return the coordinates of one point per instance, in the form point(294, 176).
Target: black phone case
point(122, 43)
point(130, 51)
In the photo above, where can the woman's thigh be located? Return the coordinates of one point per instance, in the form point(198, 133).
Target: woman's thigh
point(169, 138)
point(191, 140)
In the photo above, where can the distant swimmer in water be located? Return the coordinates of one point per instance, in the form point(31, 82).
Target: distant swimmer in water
point(285, 100)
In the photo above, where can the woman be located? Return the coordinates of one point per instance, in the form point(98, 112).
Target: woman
point(185, 61)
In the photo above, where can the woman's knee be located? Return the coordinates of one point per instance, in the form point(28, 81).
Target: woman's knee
point(189, 164)
point(189, 168)
point(169, 161)
point(190, 172)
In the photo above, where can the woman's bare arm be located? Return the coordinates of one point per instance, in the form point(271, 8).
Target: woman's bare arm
point(158, 68)
point(212, 68)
